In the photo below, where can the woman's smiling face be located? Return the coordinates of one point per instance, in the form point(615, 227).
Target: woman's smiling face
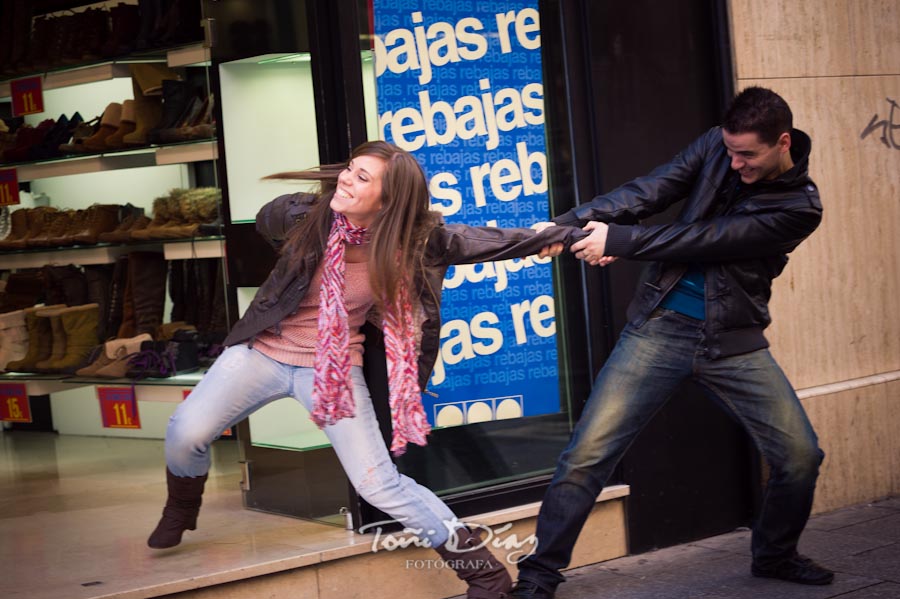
point(358, 193)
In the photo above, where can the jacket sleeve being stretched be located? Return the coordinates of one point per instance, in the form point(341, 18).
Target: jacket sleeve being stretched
point(776, 230)
point(650, 194)
point(464, 244)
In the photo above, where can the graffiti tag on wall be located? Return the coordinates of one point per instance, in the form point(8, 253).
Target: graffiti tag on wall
point(888, 127)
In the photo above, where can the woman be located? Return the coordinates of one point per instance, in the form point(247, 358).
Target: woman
point(366, 243)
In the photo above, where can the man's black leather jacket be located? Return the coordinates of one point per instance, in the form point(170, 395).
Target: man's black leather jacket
point(446, 245)
point(741, 244)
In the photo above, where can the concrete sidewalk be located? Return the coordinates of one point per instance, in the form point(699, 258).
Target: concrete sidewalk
point(861, 544)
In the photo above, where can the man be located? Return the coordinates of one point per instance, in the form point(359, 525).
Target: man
point(699, 313)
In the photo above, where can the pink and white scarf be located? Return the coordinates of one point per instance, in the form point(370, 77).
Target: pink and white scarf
point(333, 388)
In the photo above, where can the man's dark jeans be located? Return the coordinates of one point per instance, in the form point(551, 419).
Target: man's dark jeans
point(641, 374)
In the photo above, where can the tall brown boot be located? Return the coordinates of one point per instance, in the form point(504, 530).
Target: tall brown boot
point(180, 513)
point(473, 562)
point(147, 277)
point(58, 343)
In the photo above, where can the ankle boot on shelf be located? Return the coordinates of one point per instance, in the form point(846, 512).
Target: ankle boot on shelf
point(13, 337)
point(473, 562)
point(109, 124)
point(130, 217)
point(38, 218)
point(99, 218)
point(80, 325)
point(185, 495)
point(112, 362)
point(58, 342)
point(40, 341)
point(18, 228)
point(54, 233)
point(127, 125)
point(164, 211)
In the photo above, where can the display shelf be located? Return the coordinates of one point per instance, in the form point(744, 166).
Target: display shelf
point(73, 76)
point(169, 389)
point(187, 152)
point(188, 56)
point(41, 384)
point(193, 55)
point(84, 255)
point(94, 163)
point(173, 249)
point(201, 247)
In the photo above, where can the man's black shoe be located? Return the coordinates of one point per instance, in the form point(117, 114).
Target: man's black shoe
point(525, 589)
point(797, 569)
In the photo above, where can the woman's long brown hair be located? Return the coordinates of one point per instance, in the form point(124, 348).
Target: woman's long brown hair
point(397, 234)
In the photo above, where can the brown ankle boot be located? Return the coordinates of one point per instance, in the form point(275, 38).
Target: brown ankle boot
point(180, 513)
point(473, 562)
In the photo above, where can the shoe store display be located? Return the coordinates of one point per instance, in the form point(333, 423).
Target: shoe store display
point(105, 315)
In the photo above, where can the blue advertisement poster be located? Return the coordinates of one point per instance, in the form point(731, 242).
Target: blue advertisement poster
point(459, 84)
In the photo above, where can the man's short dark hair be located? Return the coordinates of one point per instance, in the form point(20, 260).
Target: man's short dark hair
point(761, 111)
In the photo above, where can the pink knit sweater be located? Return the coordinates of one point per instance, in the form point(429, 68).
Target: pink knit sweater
point(297, 343)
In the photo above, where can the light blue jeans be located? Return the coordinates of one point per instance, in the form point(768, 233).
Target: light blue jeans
point(242, 380)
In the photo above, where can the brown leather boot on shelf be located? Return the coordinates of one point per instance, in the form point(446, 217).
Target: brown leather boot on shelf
point(185, 495)
point(80, 325)
point(127, 125)
point(18, 228)
point(164, 211)
point(99, 218)
point(58, 343)
point(127, 325)
point(113, 360)
point(58, 225)
point(122, 234)
point(109, 124)
point(147, 277)
point(37, 219)
point(61, 233)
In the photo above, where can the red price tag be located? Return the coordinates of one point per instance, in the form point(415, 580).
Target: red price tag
point(9, 187)
point(228, 432)
point(27, 96)
point(14, 403)
point(118, 407)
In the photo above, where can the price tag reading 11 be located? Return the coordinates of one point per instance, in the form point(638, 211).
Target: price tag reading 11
point(9, 187)
point(14, 404)
point(27, 96)
point(118, 407)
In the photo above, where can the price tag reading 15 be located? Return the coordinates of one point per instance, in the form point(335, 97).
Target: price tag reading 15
point(14, 404)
